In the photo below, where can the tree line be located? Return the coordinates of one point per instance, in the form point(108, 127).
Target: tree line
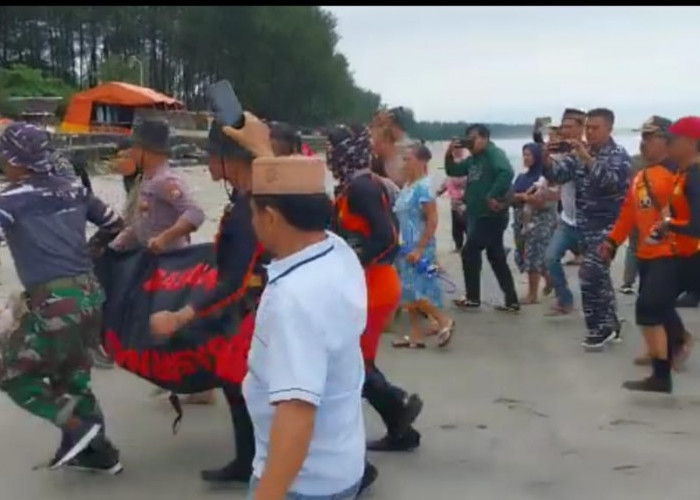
point(283, 61)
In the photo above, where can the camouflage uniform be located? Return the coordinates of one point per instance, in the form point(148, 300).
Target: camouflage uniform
point(600, 191)
point(45, 363)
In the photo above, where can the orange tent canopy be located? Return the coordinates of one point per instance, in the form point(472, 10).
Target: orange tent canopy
point(79, 112)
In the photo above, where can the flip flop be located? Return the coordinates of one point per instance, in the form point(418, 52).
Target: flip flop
point(445, 334)
point(407, 343)
point(528, 302)
point(465, 303)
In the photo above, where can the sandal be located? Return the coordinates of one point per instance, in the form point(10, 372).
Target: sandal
point(444, 336)
point(509, 308)
point(555, 311)
point(527, 301)
point(466, 303)
point(407, 343)
point(683, 353)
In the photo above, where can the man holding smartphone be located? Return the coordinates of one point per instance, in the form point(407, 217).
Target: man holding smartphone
point(489, 177)
point(566, 236)
point(600, 172)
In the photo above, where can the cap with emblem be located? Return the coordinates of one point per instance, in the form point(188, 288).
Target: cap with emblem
point(152, 135)
point(688, 126)
point(656, 125)
point(295, 174)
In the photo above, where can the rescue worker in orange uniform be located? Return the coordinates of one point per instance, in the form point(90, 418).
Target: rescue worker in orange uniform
point(364, 218)
point(663, 204)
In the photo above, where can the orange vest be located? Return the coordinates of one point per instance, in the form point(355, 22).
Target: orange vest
point(641, 210)
point(383, 283)
point(680, 212)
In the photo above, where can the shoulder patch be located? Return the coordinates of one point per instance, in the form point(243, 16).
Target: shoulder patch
point(173, 189)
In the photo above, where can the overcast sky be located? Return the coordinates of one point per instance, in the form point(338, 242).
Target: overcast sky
point(511, 64)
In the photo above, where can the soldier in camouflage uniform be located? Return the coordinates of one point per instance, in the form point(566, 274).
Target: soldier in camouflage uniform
point(45, 363)
point(600, 170)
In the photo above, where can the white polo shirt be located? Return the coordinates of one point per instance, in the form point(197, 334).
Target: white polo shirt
point(307, 347)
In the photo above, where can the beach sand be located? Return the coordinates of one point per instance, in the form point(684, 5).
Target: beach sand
point(514, 409)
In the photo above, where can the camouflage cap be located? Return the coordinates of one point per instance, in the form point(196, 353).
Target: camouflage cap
point(26, 145)
point(656, 125)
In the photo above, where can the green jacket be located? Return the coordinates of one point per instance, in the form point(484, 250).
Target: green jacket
point(489, 176)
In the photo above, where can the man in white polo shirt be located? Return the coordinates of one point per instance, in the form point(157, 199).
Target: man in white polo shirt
point(305, 367)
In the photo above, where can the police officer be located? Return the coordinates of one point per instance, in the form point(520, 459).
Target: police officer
point(166, 214)
point(162, 214)
point(600, 171)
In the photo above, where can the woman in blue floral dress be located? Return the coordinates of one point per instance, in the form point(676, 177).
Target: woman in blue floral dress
point(416, 210)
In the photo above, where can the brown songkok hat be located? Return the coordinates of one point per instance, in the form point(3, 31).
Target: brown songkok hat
point(296, 174)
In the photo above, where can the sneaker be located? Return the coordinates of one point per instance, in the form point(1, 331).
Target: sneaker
point(687, 300)
point(408, 441)
point(103, 461)
point(234, 472)
point(368, 478)
point(100, 359)
point(413, 405)
point(81, 439)
point(649, 384)
point(618, 336)
point(627, 290)
point(597, 341)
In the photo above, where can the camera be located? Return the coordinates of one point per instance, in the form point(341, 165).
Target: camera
point(466, 143)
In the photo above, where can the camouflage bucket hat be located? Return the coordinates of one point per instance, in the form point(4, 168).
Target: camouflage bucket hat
point(25, 145)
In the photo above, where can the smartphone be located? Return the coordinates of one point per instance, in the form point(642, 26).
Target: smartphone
point(225, 105)
point(560, 147)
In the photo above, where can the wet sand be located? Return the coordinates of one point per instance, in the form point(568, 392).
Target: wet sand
point(515, 409)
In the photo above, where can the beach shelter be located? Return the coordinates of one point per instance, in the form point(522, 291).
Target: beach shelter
point(110, 107)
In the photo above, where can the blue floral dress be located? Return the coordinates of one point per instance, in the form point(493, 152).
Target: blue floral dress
point(416, 285)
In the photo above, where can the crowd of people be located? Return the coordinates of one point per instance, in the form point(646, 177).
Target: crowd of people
point(318, 278)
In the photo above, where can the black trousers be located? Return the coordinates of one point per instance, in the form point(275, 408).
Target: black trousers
point(486, 233)
point(459, 228)
point(660, 282)
point(386, 399)
point(244, 439)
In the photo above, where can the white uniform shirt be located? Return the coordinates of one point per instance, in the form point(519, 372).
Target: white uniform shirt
point(307, 347)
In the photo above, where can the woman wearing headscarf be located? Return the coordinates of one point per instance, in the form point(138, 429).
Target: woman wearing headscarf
point(364, 218)
point(534, 220)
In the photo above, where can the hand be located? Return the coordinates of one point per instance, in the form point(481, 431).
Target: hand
point(495, 205)
point(253, 136)
point(606, 250)
point(158, 244)
point(165, 323)
point(581, 149)
point(414, 256)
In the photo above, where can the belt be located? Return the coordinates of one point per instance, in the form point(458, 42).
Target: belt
point(39, 293)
